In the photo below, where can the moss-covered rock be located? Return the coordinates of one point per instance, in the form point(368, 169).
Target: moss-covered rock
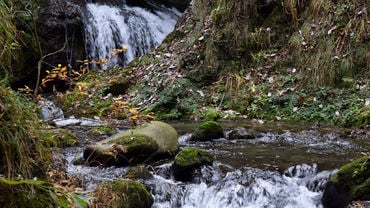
point(123, 194)
point(188, 160)
point(127, 150)
point(143, 143)
point(351, 182)
point(207, 131)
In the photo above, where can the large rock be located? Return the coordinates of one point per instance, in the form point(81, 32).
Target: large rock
point(207, 131)
point(122, 193)
point(144, 143)
point(188, 160)
point(60, 27)
point(351, 182)
point(242, 133)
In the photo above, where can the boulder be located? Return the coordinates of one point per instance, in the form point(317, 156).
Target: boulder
point(188, 160)
point(144, 143)
point(60, 30)
point(122, 193)
point(207, 131)
point(242, 133)
point(351, 182)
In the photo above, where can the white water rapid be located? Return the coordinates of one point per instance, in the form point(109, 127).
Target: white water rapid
point(278, 169)
point(109, 27)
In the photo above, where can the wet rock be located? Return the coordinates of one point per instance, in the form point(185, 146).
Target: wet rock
point(188, 160)
point(351, 182)
point(207, 131)
point(61, 22)
point(122, 193)
point(138, 172)
point(72, 121)
point(144, 143)
point(243, 133)
point(49, 110)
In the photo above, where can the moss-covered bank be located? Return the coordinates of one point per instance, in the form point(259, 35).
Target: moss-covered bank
point(25, 156)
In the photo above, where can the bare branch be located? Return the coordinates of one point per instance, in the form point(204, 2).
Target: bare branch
point(39, 65)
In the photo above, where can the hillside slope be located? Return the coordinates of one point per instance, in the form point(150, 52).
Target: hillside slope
point(276, 60)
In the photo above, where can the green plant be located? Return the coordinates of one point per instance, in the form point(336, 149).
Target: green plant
point(9, 39)
point(45, 195)
point(20, 150)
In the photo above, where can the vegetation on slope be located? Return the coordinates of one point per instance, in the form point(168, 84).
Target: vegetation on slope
point(275, 60)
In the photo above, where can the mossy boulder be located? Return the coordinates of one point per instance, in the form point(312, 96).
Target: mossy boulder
point(207, 131)
point(144, 143)
point(188, 160)
point(123, 194)
point(351, 182)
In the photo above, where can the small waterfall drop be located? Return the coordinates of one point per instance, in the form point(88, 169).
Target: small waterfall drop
point(109, 27)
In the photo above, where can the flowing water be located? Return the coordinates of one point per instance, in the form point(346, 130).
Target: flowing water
point(285, 166)
point(110, 27)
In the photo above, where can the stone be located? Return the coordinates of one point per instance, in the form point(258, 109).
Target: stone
point(242, 133)
point(188, 160)
point(350, 183)
point(122, 193)
point(207, 131)
point(138, 172)
point(61, 21)
point(144, 143)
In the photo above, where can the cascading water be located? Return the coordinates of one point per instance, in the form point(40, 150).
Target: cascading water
point(109, 27)
point(270, 171)
point(244, 187)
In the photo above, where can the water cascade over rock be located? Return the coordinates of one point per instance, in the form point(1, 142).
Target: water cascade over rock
point(109, 27)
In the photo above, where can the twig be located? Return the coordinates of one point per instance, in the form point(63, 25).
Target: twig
point(39, 64)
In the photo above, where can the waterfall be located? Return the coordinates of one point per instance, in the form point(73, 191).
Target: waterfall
point(109, 27)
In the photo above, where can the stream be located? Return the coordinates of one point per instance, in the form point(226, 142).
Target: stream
point(287, 165)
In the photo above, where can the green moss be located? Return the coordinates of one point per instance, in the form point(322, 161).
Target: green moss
point(191, 156)
point(209, 125)
point(207, 131)
point(124, 194)
point(354, 178)
point(136, 143)
point(58, 138)
point(103, 130)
